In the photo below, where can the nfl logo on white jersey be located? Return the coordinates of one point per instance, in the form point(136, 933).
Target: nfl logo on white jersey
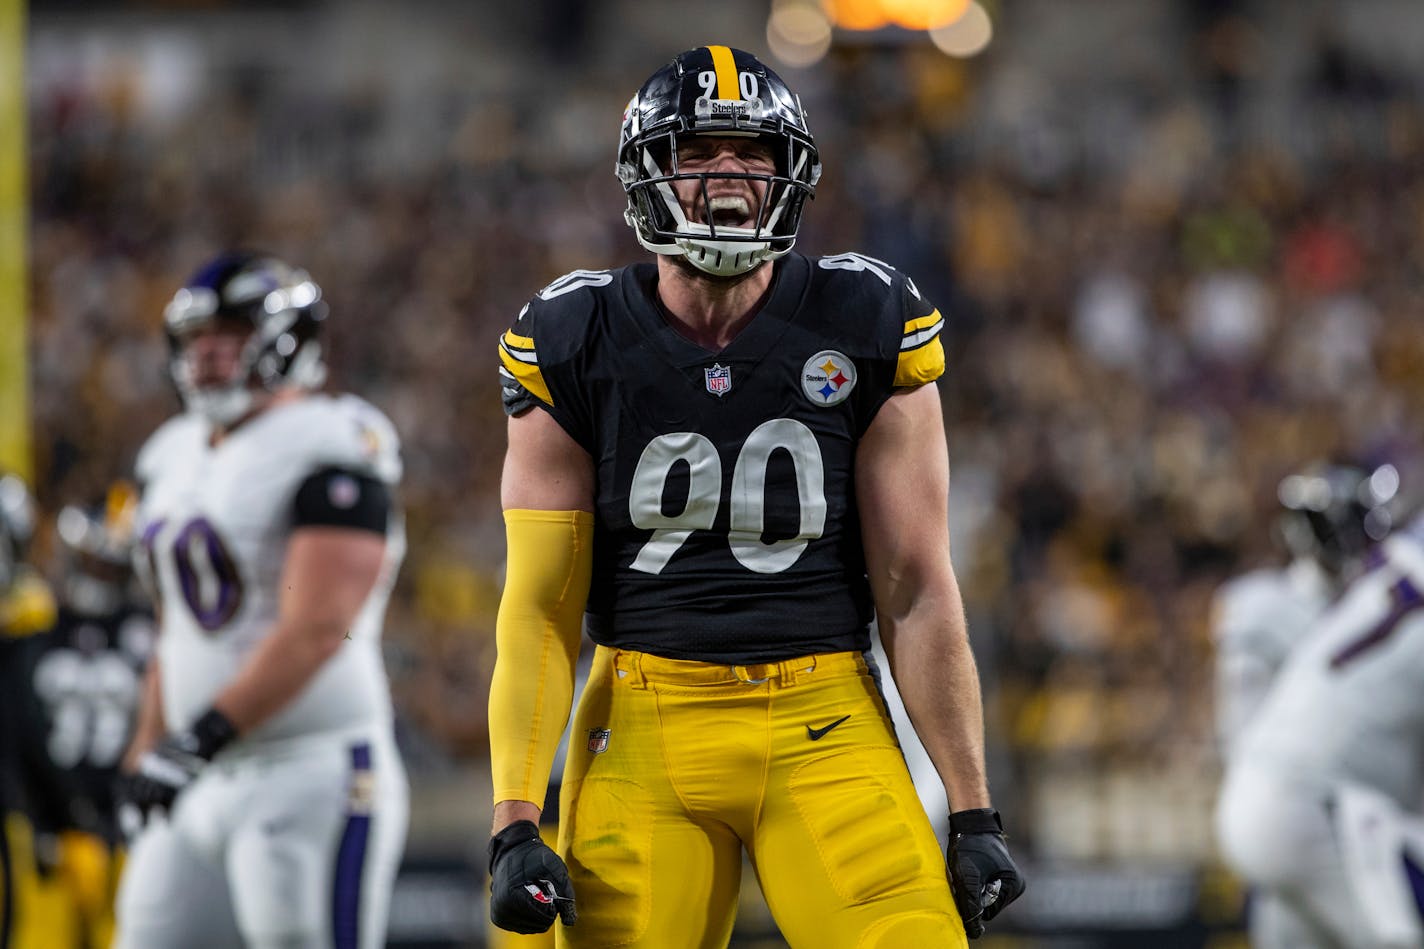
point(719, 379)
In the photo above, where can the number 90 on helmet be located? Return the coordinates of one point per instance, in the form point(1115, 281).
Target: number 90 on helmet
point(715, 90)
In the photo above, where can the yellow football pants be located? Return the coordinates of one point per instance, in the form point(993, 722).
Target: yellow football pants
point(72, 908)
point(675, 766)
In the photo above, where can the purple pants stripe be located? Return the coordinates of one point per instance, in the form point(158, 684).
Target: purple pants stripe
point(1416, 881)
point(351, 861)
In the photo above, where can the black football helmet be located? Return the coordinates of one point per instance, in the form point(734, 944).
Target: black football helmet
point(282, 307)
point(1334, 513)
point(17, 527)
point(715, 90)
point(99, 545)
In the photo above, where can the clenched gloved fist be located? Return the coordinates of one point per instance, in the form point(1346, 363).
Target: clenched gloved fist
point(529, 884)
point(982, 875)
point(173, 763)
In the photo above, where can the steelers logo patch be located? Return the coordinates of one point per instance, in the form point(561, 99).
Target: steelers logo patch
point(828, 377)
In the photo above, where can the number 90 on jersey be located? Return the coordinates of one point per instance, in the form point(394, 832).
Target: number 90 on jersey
point(747, 501)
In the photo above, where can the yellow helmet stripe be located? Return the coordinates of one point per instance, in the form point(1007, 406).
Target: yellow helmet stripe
point(728, 86)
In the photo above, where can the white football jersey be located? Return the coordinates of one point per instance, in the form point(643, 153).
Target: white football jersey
point(1348, 703)
point(1258, 619)
point(215, 524)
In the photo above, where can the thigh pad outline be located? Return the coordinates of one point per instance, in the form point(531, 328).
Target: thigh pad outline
point(608, 850)
point(860, 817)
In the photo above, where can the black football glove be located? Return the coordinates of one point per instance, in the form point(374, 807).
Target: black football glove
point(172, 764)
point(529, 884)
point(982, 875)
point(130, 817)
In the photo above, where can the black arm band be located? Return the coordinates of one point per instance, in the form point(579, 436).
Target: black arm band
point(979, 820)
point(338, 497)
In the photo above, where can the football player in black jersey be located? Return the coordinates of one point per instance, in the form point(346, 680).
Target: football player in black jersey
point(732, 460)
point(27, 610)
point(79, 687)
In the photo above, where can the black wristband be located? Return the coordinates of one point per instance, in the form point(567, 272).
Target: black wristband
point(978, 820)
point(213, 732)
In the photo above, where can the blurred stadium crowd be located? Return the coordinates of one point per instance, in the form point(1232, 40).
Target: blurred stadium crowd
point(1178, 245)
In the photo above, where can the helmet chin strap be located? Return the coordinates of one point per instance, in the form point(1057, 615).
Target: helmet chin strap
point(307, 371)
point(727, 258)
point(220, 405)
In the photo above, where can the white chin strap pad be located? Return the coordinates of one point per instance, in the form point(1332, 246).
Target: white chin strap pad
point(725, 258)
point(221, 405)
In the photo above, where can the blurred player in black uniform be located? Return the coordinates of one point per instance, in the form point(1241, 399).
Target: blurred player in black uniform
point(26, 610)
point(74, 689)
point(733, 460)
point(82, 683)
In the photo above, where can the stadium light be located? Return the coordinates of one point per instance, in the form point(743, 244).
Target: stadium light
point(966, 36)
point(856, 14)
point(917, 15)
point(798, 32)
point(924, 14)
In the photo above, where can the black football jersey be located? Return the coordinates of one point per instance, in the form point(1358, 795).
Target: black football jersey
point(726, 521)
point(82, 684)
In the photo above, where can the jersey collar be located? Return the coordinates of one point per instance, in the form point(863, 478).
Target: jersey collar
point(783, 306)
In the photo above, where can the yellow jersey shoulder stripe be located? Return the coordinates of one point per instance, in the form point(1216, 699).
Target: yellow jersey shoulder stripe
point(729, 86)
point(520, 347)
point(525, 371)
point(921, 322)
point(922, 364)
point(920, 331)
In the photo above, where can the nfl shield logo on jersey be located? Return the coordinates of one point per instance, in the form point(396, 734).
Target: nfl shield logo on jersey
point(719, 379)
point(598, 740)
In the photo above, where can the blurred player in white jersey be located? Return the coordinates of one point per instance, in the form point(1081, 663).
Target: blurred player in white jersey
point(264, 757)
point(1319, 808)
point(1330, 514)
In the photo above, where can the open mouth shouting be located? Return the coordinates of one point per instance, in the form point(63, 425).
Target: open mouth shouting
point(730, 210)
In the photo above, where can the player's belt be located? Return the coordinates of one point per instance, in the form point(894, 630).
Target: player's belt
point(642, 667)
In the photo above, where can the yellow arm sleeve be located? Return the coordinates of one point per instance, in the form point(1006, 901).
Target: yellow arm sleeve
point(537, 633)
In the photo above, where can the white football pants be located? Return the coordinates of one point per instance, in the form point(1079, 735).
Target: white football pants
point(290, 848)
point(1284, 836)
